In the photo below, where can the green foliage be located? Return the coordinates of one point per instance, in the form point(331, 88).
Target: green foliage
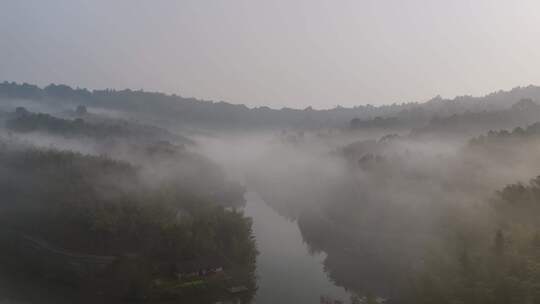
point(24, 121)
point(530, 132)
point(96, 205)
point(501, 266)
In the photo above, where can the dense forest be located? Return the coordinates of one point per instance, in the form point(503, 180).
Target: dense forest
point(109, 209)
point(410, 203)
point(25, 122)
point(133, 194)
point(173, 110)
point(493, 262)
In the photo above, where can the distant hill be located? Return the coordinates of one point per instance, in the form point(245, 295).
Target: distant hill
point(468, 124)
point(23, 121)
point(168, 109)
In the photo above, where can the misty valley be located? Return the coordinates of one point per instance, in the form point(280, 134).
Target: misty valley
point(122, 196)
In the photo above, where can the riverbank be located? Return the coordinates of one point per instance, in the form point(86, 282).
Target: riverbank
point(30, 265)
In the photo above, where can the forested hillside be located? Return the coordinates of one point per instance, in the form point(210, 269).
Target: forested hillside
point(167, 109)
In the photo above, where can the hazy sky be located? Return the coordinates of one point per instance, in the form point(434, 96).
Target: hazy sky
point(275, 52)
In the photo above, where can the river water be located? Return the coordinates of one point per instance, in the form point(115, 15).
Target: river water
point(287, 272)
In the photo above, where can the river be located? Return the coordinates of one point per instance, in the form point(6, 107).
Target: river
point(287, 272)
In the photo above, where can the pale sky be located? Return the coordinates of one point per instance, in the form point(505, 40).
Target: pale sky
point(276, 53)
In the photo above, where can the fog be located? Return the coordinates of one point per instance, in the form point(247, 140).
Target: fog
point(356, 209)
point(381, 200)
point(262, 152)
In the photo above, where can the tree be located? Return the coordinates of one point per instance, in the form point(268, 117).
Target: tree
point(81, 110)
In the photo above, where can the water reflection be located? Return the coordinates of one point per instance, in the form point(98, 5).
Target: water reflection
point(287, 272)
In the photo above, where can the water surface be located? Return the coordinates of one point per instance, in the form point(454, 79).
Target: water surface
point(287, 272)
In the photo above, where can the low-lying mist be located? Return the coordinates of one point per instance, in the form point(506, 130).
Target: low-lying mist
point(374, 205)
point(404, 207)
